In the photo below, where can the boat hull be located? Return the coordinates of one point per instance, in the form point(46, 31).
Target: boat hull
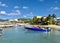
point(38, 29)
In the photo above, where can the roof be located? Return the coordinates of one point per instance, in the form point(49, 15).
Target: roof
point(39, 16)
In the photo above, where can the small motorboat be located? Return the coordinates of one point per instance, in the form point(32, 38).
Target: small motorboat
point(38, 29)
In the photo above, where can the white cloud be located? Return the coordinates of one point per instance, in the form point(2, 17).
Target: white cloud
point(15, 12)
point(41, 0)
point(55, 8)
point(16, 7)
point(56, 1)
point(2, 4)
point(24, 16)
point(25, 7)
point(18, 12)
point(28, 15)
point(3, 12)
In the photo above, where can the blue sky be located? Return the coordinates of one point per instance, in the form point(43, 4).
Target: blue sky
point(12, 9)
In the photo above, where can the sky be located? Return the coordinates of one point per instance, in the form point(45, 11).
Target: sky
point(13, 9)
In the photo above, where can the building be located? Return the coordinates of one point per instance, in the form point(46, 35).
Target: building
point(44, 17)
point(16, 21)
point(57, 20)
point(13, 20)
point(41, 17)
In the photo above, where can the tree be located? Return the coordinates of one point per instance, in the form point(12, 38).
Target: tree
point(38, 21)
point(34, 19)
point(42, 21)
point(49, 19)
point(53, 16)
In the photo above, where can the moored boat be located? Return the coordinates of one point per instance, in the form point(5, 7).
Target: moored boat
point(38, 29)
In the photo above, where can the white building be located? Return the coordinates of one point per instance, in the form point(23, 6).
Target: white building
point(13, 20)
point(39, 16)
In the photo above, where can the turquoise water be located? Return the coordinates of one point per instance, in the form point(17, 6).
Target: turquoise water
point(20, 35)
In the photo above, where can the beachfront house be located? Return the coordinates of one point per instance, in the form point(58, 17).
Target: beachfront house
point(15, 21)
point(57, 21)
point(41, 17)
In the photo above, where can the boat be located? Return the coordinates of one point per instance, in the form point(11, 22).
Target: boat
point(38, 29)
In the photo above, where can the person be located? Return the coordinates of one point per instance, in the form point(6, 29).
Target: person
point(38, 26)
point(47, 28)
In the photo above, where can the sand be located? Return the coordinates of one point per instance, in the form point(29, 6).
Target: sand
point(52, 26)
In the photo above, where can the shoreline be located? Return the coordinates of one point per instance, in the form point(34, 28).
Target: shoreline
point(4, 25)
point(51, 26)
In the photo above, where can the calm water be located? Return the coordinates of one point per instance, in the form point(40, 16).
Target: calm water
point(20, 35)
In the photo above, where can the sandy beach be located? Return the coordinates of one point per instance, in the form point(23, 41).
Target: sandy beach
point(3, 25)
point(52, 26)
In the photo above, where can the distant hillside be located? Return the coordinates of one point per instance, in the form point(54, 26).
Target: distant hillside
point(24, 19)
point(2, 20)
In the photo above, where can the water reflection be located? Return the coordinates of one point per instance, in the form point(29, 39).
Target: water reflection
point(0, 39)
point(47, 37)
point(21, 35)
point(1, 33)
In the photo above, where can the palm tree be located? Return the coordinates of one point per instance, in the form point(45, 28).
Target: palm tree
point(34, 19)
point(38, 21)
point(53, 16)
point(42, 21)
point(49, 19)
